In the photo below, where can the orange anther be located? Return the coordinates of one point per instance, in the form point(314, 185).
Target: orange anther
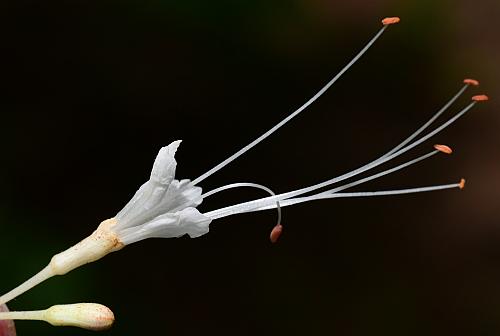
point(471, 81)
point(276, 233)
point(461, 185)
point(480, 98)
point(443, 148)
point(390, 20)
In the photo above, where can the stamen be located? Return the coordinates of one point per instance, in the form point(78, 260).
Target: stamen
point(390, 20)
point(291, 116)
point(379, 161)
point(480, 98)
point(443, 148)
point(249, 206)
point(384, 173)
point(294, 201)
point(358, 182)
point(392, 192)
point(471, 81)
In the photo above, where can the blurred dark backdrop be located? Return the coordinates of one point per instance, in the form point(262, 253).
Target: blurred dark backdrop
point(92, 90)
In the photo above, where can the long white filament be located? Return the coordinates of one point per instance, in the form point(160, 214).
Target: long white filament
point(248, 206)
point(379, 161)
point(246, 184)
point(298, 200)
point(373, 193)
point(355, 183)
point(291, 116)
point(378, 175)
point(38, 278)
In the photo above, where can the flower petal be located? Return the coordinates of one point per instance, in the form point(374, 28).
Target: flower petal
point(170, 225)
point(163, 171)
point(151, 196)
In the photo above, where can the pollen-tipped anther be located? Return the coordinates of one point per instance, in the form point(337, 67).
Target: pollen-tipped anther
point(471, 81)
point(443, 148)
point(480, 98)
point(461, 184)
point(390, 20)
point(276, 233)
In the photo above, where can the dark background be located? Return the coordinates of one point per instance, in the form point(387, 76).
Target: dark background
point(90, 91)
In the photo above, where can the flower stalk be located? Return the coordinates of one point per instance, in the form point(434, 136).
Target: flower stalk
point(101, 242)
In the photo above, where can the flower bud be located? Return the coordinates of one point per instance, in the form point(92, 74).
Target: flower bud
point(90, 316)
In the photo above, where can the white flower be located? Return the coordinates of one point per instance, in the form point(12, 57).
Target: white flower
point(165, 207)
